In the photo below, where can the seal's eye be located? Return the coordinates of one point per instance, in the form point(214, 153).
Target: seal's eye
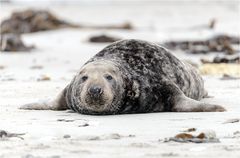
point(84, 78)
point(109, 77)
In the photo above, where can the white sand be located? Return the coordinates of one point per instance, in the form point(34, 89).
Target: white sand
point(62, 52)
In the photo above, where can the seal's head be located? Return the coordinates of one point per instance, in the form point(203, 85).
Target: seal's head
point(101, 87)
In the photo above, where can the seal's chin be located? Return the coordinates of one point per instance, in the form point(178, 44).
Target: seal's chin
point(95, 103)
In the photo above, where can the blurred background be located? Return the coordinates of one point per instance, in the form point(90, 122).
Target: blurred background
point(53, 35)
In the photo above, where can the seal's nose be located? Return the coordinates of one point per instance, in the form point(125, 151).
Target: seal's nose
point(95, 90)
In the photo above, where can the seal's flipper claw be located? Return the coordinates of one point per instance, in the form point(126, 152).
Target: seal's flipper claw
point(185, 104)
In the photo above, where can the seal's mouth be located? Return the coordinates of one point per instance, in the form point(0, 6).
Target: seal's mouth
point(95, 102)
point(95, 97)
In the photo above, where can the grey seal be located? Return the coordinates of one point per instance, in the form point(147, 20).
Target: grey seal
point(132, 76)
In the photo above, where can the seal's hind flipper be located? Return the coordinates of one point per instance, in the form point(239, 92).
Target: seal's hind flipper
point(185, 104)
point(58, 104)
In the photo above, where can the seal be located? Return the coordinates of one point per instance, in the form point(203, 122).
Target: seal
point(132, 76)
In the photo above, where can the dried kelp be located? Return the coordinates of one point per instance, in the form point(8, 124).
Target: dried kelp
point(204, 137)
point(103, 39)
point(32, 21)
point(13, 43)
point(219, 43)
point(223, 59)
point(4, 134)
point(124, 26)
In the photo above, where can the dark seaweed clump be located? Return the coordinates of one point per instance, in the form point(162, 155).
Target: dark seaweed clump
point(223, 59)
point(219, 43)
point(103, 39)
point(32, 21)
point(13, 43)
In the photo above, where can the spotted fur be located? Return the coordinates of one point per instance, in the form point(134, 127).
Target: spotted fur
point(153, 69)
point(150, 79)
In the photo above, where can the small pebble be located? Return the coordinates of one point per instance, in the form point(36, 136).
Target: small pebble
point(66, 136)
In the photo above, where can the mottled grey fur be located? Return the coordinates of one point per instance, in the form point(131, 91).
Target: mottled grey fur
point(154, 80)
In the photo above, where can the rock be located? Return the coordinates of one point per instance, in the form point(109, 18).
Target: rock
point(66, 136)
point(65, 120)
point(83, 125)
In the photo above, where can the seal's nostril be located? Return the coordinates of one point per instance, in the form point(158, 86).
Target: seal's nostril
point(95, 90)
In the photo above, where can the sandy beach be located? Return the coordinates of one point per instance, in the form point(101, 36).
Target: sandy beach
point(60, 53)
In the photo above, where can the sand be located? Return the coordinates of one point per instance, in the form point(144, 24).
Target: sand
point(59, 54)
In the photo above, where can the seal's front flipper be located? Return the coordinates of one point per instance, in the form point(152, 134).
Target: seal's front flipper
point(185, 104)
point(58, 104)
